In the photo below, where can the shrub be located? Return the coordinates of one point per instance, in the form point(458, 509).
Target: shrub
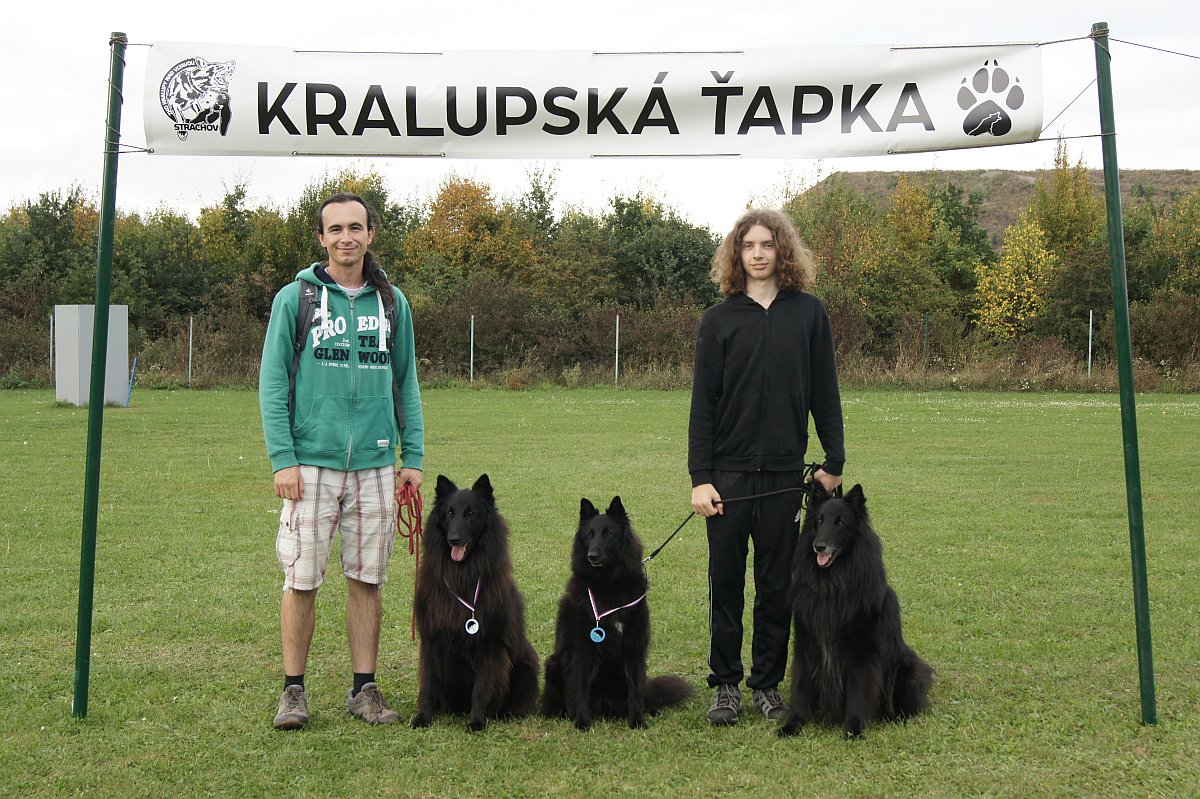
point(1165, 330)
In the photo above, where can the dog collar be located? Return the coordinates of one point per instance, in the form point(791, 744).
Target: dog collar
point(597, 634)
point(472, 626)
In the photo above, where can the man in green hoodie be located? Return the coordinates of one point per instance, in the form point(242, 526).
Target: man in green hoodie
point(332, 441)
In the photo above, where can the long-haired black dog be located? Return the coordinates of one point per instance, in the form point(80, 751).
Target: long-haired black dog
point(598, 668)
point(850, 665)
point(475, 657)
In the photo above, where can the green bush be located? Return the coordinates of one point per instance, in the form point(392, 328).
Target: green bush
point(1165, 330)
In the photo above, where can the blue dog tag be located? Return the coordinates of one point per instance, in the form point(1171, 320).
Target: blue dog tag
point(598, 634)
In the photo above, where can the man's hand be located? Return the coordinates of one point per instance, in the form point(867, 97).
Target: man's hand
point(405, 476)
point(706, 501)
point(827, 480)
point(288, 483)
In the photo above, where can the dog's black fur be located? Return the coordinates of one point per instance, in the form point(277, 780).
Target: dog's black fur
point(850, 664)
point(585, 679)
point(494, 673)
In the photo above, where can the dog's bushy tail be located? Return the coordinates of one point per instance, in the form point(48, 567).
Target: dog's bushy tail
point(666, 690)
point(913, 681)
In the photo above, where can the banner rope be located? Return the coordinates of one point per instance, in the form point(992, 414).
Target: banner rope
point(1068, 105)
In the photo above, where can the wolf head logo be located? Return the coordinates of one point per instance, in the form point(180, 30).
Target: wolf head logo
point(195, 95)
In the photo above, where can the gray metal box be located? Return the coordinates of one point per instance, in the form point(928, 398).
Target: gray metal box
point(73, 354)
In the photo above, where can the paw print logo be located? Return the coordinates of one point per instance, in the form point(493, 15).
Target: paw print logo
point(988, 98)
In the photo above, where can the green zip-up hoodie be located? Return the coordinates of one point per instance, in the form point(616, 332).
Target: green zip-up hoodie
point(344, 414)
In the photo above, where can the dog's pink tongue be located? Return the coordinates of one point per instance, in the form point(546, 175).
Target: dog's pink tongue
point(458, 553)
point(823, 559)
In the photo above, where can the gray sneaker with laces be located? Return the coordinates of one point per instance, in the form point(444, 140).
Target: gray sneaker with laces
point(369, 706)
point(293, 709)
point(725, 706)
point(770, 703)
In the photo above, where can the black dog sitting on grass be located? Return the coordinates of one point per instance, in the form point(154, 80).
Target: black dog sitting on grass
point(475, 657)
point(850, 664)
point(603, 631)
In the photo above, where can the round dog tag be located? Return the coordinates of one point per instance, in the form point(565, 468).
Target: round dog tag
point(472, 626)
point(598, 634)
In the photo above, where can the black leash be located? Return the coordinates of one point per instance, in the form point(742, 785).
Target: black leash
point(805, 489)
point(672, 535)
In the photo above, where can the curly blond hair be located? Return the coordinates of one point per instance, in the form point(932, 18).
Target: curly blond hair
point(794, 268)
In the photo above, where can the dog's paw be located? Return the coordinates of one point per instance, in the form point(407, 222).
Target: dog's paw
point(420, 720)
point(638, 723)
point(854, 728)
point(583, 724)
point(791, 727)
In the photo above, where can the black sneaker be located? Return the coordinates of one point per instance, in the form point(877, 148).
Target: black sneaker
point(725, 706)
point(770, 703)
point(293, 709)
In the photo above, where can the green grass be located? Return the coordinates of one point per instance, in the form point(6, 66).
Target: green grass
point(1004, 525)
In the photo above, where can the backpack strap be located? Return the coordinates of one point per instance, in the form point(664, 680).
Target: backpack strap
point(306, 309)
point(390, 310)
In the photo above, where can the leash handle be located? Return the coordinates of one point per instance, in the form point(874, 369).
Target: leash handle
point(408, 517)
point(410, 526)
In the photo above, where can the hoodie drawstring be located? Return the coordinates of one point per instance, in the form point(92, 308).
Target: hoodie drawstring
point(383, 326)
point(383, 321)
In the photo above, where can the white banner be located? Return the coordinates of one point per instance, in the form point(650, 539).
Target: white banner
point(215, 99)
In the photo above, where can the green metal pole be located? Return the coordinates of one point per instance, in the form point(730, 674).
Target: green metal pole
point(1133, 480)
point(91, 484)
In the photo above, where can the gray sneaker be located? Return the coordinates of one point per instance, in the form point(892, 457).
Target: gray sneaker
point(770, 703)
point(369, 706)
point(725, 706)
point(293, 709)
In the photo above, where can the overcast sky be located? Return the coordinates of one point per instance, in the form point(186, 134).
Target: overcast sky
point(54, 67)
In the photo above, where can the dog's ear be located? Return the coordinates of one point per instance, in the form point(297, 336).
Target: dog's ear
point(483, 486)
point(857, 499)
point(616, 509)
point(587, 510)
point(444, 487)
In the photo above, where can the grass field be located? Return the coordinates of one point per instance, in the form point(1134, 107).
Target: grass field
point(1003, 518)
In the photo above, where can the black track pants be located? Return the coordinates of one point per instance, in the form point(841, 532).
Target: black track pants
point(772, 522)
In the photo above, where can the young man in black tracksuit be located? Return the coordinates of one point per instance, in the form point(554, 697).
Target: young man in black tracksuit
point(764, 364)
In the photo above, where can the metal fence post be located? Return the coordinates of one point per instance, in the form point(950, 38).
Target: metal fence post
point(617, 354)
point(1090, 328)
point(189, 352)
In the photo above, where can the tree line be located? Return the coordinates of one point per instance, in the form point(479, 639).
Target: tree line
point(908, 278)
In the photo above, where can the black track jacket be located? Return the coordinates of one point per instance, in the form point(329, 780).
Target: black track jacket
point(759, 373)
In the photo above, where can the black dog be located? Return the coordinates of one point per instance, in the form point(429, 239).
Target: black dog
point(475, 656)
point(850, 665)
point(603, 632)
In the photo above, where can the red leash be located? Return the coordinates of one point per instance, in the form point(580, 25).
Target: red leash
point(409, 525)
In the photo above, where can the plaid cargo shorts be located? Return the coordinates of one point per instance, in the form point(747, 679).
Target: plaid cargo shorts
point(361, 504)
